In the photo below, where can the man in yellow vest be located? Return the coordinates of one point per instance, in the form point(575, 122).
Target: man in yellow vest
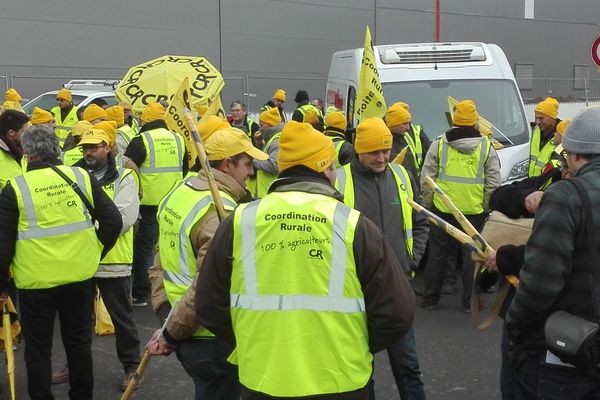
point(113, 277)
point(50, 242)
point(65, 114)
point(542, 143)
point(277, 102)
point(241, 120)
point(12, 162)
point(305, 308)
point(230, 153)
point(129, 117)
point(418, 135)
point(380, 190)
point(303, 105)
point(40, 116)
point(160, 156)
point(265, 171)
point(335, 128)
point(71, 151)
point(124, 132)
point(398, 121)
point(465, 165)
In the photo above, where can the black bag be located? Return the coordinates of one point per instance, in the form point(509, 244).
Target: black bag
point(573, 339)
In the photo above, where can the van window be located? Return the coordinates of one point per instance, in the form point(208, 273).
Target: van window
point(497, 101)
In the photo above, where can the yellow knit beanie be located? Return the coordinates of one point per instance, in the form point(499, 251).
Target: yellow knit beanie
point(153, 112)
point(311, 117)
point(12, 95)
point(397, 115)
point(336, 119)
point(371, 135)
point(301, 144)
point(110, 128)
point(117, 114)
point(279, 95)
point(64, 94)
point(201, 110)
point(562, 126)
point(403, 105)
point(548, 106)
point(94, 112)
point(41, 116)
point(211, 124)
point(270, 117)
point(465, 114)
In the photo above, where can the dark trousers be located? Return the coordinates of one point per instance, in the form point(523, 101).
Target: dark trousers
point(541, 381)
point(509, 386)
point(115, 293)
point(405, 367)
point(440, 245)
point(38, 307)
point(143, 247)
point(205, 361)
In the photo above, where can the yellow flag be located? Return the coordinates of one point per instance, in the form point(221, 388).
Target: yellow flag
point(485, 126)
point(175, 119)
point(215, 108)
point(369, 96)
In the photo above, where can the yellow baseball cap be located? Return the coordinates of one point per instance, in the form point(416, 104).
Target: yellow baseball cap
point(94, 136)
point(110, 128)
point(209, 125)
point(81, 127)
point(229, 142)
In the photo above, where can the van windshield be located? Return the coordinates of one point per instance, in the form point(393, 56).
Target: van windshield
point(48, 102)
point(496, 100)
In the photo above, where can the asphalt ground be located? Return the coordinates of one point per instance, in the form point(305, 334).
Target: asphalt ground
point(458, 361)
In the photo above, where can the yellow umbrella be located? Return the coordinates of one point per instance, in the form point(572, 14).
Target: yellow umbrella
point(9, 331)
point(158, 80)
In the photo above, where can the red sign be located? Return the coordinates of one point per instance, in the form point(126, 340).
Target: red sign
point(596, 51)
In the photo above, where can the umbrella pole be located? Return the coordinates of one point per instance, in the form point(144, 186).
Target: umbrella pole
point(212, 184)
point(8, 347)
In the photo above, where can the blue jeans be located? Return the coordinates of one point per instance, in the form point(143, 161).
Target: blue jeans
point(143, 246)
point(541, 381)
point(405, 367)
point(509, 385)
point(205, 361)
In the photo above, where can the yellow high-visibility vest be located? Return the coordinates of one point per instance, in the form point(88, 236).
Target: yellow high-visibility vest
point(9, 167)
point(261, 181)
point(71, 156)
point(56, 239)
point(539, 158)
point(163, 164)
point(462, 177)
point(295, 295)
point(63, 128)
point(178, 212)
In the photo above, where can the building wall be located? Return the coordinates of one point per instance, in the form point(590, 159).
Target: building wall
point(266, 44)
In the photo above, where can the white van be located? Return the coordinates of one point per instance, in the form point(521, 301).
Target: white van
point(425, 74)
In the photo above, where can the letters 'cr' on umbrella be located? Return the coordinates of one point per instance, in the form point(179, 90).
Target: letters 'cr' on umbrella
point(158, 80)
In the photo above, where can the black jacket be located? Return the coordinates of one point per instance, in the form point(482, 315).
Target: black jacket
point(107, 215)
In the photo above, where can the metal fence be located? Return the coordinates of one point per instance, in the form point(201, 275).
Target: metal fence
point(563, 89)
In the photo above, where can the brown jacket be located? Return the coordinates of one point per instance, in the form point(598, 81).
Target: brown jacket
point(182, 323)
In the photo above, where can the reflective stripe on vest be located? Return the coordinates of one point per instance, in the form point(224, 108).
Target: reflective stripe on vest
point(539, 158)
point(179, 211)
point(56, 239)
point(122, 252)
point(293, 266)
point(338, 147)
point(303, 109)
point(418, 144)
point(162, 166)
point(461, 176)
point(345, 185)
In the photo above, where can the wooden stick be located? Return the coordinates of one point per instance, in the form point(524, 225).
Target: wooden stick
point(212, 184)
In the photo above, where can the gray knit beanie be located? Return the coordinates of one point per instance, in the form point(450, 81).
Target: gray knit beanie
point(583, 134)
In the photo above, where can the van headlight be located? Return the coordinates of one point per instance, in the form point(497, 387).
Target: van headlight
point(519, 170)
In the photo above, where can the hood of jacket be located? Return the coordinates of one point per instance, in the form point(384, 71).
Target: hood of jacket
point(462, 138)
point(225, 183)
